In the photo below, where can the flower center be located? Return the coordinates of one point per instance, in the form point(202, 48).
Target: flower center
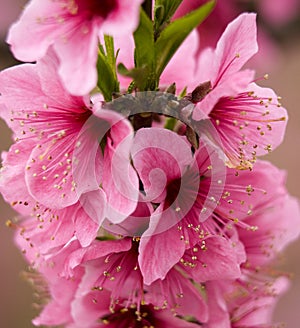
point(173, 189)
point(93, 7)
point(131, 317)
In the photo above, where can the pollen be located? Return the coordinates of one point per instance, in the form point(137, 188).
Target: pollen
point(249, 189)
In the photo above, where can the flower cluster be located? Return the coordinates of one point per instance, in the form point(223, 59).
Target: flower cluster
point(134, 170)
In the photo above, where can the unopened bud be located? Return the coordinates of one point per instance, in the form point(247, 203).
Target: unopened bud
point(201, 91)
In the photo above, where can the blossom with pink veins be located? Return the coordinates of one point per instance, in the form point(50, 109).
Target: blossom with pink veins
point(64, 164)
point(123, 317)
point(199, 204)
point(39, 226)
point(119, 273)
point(185, 193)
point(249, 125)
point(250, 300)
point(104, 286)
point(248, 119)
point(222, 66)
point(74, 28)
point(276, 216)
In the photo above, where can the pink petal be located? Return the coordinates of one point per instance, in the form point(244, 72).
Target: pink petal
point(259, 310)
point(50, 178)
point(249, 125)
point(124, 20)
point(135, 224)
point(36, 29)
point(86, 226)
point(263, 245)
point(179, 293)
point(120, 181)
point(185, 58)
point(86, 310)
point(159, 156)
point(12, 175)
point(250, 191)
point(48, 68)
point(159, 251)
point(218, 259)
point(227, 88)
point(219, 313)
point(79, 50)
point(94, 251)
point(20, 92)
point(53, 314)
point(235, 47)
point(239, 38)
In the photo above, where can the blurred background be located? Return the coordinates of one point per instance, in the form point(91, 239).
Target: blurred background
point(279, 40)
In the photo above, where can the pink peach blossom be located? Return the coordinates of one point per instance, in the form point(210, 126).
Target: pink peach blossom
point(248, 120)
point(39, 226)
point(64, 161)
point(74, 29)
point(119, 273)
point(104, 278)
point(276, 216)
point(222, 66)
point(186, 213)
point(249, 125)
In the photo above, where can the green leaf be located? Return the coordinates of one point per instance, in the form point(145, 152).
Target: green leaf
point(144, 55)
point(176, 32)
point(144, 42)
point(163, 12)
point(110, 51)
point(106, 65)
point(138, 74)
point(107, 81)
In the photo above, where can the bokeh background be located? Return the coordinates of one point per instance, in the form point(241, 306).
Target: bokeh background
point(281, 61)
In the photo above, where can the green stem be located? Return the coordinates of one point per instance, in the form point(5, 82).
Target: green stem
point(147, 6)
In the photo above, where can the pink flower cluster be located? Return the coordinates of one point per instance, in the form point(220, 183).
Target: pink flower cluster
point(127, 222)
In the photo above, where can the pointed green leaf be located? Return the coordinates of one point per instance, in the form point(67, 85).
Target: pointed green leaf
point(107, 81)
point(138, 74)
point(164, 11)
point(145, 54)
point(176, 32)
point(144, 42)
point(110, 50)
